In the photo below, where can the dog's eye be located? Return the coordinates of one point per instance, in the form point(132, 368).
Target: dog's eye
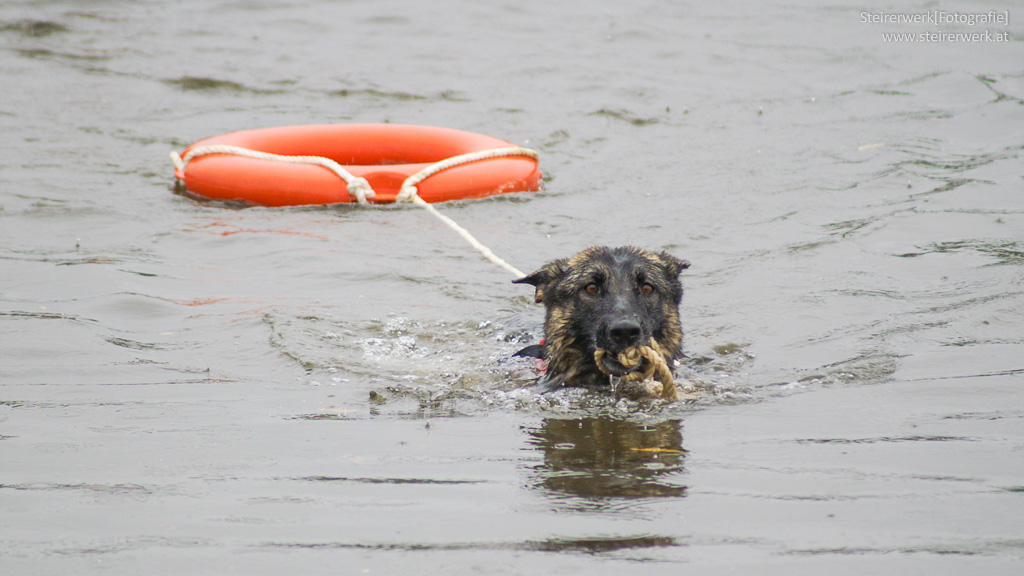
point(647, 289)
point(592, 288)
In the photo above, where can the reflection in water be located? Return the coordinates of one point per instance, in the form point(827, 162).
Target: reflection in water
point(600, 458)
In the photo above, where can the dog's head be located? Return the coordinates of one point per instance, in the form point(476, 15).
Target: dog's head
point(609, 299)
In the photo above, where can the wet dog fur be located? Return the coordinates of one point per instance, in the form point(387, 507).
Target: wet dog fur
point(607, 298)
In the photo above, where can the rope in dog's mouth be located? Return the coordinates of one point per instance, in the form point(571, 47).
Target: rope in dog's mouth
point(654, 369)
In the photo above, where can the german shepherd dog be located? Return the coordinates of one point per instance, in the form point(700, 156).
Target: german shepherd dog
point(610, 300)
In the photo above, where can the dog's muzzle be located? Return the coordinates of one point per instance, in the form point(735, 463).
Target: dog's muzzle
point(618, 347)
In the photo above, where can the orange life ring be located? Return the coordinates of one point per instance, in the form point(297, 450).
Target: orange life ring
point(384, 154)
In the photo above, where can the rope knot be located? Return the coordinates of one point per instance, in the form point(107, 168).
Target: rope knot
point(408, 193)
point(359, 188)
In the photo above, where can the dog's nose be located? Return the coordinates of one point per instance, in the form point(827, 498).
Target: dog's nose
point(624, 332)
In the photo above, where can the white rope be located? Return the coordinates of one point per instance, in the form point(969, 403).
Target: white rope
point(467, 236)
point(361, 189)
point(408, 189)
point(357, 186)
point(408, 193)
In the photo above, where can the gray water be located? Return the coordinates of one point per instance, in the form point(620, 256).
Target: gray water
point(185, 387)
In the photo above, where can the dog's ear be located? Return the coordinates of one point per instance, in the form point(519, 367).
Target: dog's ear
point(542, 279)
point(673, 266)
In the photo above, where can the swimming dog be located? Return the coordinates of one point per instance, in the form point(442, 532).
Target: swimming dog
point(601, 305)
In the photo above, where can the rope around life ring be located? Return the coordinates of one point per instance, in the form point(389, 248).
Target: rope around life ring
point(358, 187)
point(362, 191)
point(379, 163)
point(372, 153)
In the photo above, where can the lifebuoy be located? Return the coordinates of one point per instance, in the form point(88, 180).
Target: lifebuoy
point(387, 156)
